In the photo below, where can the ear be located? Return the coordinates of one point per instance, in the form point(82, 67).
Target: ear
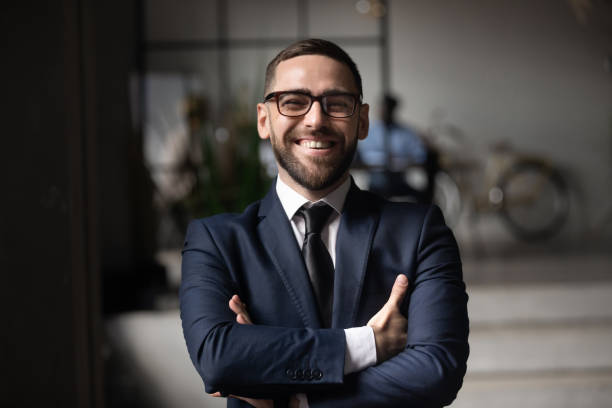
point(364, 121)
point(263, 118)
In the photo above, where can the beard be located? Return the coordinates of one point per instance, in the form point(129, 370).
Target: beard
point(327, 170)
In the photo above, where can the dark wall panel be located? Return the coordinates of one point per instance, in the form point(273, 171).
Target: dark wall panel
point(48, 286)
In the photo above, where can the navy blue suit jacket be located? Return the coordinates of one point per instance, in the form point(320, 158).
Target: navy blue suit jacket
point(255, 254)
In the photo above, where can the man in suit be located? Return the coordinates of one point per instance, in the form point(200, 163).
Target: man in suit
point(321, 294)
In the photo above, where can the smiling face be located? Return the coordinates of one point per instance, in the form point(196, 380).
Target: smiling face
point(314, 151)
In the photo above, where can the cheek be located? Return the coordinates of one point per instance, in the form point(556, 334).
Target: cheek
point(280, 126)
point(288, 132)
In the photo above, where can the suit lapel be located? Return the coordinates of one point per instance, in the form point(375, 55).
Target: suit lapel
point(279, 241)
point(355, 235)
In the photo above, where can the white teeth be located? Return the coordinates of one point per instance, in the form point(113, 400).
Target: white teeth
point(316, 144)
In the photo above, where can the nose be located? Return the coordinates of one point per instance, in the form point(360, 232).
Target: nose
point(315, 118)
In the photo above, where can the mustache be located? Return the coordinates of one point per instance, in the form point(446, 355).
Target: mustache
point(319, 133)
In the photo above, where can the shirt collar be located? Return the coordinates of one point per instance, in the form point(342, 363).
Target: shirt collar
point(291, 200)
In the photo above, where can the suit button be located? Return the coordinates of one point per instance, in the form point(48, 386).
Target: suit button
point(290, 373)
point(317, 374)
point(299, 374)
point(308, 374)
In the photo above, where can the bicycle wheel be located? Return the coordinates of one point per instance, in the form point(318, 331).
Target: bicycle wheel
point(535, 200)
point(447, 196)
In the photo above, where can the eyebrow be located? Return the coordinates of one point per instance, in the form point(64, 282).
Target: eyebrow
point(333, 91)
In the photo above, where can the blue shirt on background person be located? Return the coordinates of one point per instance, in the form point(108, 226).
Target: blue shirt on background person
point(390, 151)
point(405, 147)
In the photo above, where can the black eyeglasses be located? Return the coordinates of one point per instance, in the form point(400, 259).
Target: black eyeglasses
point(294, 103)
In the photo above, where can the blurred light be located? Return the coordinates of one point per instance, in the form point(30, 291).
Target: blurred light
point(374, 8)
point(221, 134)
point(416, 177)
point(363, 6)
point(378, 9)
point(496, 195)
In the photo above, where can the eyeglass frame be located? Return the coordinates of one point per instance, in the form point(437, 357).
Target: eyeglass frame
point(313, 99)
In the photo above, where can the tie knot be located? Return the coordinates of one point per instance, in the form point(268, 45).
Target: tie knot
point(315, 217)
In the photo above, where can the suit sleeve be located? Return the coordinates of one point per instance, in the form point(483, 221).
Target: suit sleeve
point(429, 372)
point(247, 360)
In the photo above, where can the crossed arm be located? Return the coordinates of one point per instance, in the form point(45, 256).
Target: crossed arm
point(388, 324)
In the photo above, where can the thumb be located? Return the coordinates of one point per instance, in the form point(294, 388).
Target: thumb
point(398, 291)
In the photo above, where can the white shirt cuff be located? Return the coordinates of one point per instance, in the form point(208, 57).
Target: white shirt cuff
point(360, 349)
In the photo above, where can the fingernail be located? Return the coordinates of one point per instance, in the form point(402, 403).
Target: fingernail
point(401, 279)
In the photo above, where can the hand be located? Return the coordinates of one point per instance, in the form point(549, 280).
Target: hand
point(389, 324)
point(242, 317)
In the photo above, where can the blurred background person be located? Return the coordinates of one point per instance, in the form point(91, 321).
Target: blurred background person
point(393, 152)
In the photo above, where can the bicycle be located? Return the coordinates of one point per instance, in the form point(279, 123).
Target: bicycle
point(527, 191)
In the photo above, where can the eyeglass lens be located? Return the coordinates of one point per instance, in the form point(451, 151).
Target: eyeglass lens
point(296, 104)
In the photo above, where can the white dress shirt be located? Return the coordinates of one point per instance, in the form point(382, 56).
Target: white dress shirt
point(360, 343)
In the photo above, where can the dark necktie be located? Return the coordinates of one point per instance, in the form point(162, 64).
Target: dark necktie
point(316, 257)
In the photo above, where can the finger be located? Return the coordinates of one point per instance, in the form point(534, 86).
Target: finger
point(216, 394)
point(236, 305)
point(243, 318)
point(237, 299)
point(239, 308)
point(398, 291)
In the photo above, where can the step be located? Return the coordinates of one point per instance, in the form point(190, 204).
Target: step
point(565, 390)
point(546, 347)
point(535, 303)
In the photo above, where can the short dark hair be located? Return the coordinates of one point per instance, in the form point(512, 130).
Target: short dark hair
point(313, 46)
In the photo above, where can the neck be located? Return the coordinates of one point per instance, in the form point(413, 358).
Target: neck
point(311, 195)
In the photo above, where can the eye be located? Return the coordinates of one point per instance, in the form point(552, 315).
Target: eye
point(339, 103)
point(293, 101)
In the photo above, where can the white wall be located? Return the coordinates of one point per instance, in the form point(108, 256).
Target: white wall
point(520, 70)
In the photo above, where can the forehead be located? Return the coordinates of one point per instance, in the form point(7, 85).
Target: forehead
point(315, 73)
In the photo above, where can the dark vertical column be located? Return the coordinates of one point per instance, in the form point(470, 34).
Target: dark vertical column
point(140, 36)
point(80, 81)
point(127, 228)
point(385, 63)
point(223, 59)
